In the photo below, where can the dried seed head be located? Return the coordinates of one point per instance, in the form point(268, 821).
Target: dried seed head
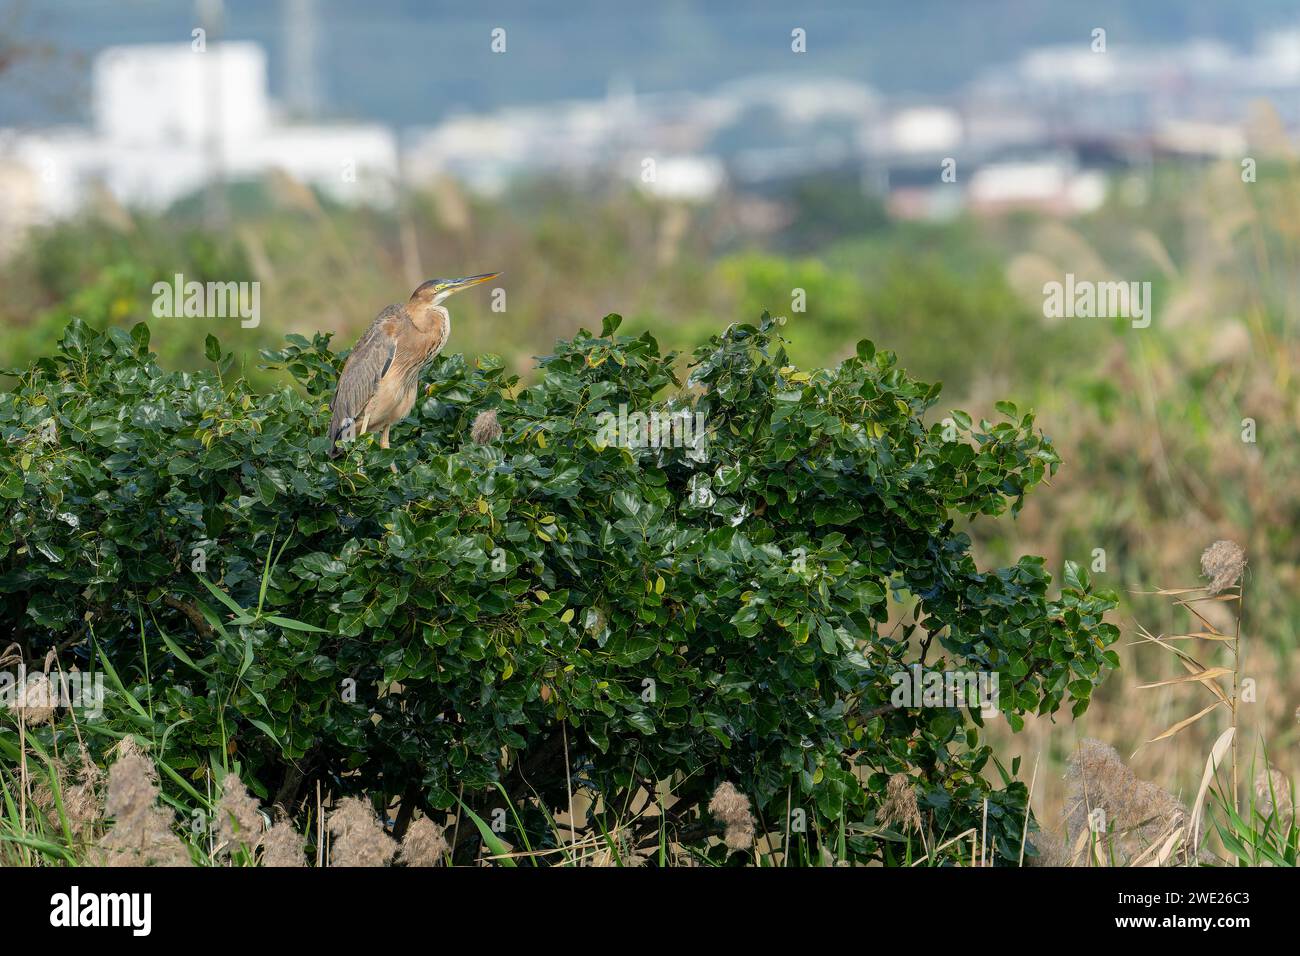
point(132, 787)
point(282, 845)
point(728, 804)
point(238, 821)
point(82, 807)
point(81, 804)
point(142, 831)
point(34, 699)
point(359, 839)
point(731, 808)
point(1136, 812)
point(1052, 851)
point(739, 836)
point(42, 792)
point(1222, 562)
point(147, 840)
point(900, 809)
point(1273, 794)
point(425, 844)
point(485, 429)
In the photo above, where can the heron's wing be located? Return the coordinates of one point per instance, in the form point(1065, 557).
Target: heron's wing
point(366, 365)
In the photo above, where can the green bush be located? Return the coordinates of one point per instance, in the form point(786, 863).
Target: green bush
point(686, 615)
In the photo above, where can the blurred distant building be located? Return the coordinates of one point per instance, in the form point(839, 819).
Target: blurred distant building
point(1137, 88)
point(579, 141)
point(685, 178)
point(915, 131)
point(1197, 140)
point(753, 130)
point(169, 94)
point(1046, 132)
point(1049, 131)
point(1050, 185)
point(487, 151)
point(774, 127)
point(20, 200)
point(167, 119)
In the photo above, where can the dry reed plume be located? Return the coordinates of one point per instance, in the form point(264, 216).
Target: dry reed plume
point(731, 808)
point(283, 846)
point(141, 834)
point(239, 822)
point(485, 429)
point(359, 838)
point(1223, 563)
point(1273, 795)
point(425, 844)
point(142, 831)
point(1113, 814)
point(900, 809)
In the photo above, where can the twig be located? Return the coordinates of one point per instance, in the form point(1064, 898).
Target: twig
point(191, 611)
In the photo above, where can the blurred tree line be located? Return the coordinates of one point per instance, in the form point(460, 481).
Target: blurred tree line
point(816, 251)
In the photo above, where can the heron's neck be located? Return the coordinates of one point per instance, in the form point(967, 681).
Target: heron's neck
point(431, 318)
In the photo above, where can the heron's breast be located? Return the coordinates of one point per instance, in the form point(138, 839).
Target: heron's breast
point(399, 387)
point(392, 400)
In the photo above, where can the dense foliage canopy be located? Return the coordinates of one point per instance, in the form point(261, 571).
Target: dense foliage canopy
point(729, 611)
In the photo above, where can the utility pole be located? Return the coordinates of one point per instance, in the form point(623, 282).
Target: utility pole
point(301, 43)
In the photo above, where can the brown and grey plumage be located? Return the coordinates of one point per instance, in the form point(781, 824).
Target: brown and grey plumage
point(381, 377)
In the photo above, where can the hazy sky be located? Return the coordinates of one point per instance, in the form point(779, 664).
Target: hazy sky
point(408, 62)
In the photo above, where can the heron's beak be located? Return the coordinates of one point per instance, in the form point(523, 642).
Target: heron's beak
point(456, 285)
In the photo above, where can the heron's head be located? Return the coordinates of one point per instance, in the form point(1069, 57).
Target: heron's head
point(435, 291)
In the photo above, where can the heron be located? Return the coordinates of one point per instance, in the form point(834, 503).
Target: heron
point(381, 377)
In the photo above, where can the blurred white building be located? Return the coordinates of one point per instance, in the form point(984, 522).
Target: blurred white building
point(166, 120)
point(576, 139)
point(1132, 88)
point(147, 95)
point(1047, 184)
point(685, 178)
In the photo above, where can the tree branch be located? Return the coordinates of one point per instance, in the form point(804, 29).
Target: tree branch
point(191, 611)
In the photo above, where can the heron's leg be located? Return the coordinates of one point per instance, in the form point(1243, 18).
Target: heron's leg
point(383, 443)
